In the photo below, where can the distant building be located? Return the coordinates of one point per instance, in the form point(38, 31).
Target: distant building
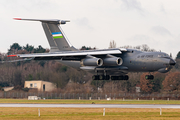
point(40, 85)
point(7, 88)
point(100, 90)
point(138, 88)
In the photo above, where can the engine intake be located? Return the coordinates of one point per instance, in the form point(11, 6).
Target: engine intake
point(112, 61)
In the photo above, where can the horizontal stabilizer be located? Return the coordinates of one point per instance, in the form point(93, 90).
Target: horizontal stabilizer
point(12, 56)
point(17, 60)
point(46, 20)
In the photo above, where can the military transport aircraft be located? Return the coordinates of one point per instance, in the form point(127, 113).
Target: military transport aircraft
point(105, 64)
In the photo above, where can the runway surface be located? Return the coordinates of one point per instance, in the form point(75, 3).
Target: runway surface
point(91, 105)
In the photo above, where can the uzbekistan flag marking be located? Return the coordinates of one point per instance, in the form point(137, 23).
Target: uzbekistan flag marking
point(57, 35)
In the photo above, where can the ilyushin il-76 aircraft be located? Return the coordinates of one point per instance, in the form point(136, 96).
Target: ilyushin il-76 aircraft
point(105, 64)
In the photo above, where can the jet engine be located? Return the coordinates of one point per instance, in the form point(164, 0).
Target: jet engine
point(112, 61)
point(92, 61)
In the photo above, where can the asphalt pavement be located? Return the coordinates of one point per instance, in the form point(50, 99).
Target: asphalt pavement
point(91, 105)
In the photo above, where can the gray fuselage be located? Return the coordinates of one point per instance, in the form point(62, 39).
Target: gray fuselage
point(133, 61)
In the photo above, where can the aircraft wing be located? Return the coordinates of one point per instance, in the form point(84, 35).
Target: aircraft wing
point(70, 55)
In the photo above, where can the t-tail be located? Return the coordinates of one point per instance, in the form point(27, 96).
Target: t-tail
point(54, 33)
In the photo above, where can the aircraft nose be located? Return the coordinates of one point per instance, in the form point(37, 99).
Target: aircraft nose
point(172, 62)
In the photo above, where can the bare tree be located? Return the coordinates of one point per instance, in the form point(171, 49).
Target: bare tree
point(112, 44)
point(145, 47)
point(172, 82)
point(146, 85)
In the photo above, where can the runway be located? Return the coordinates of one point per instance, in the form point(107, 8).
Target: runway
point(91, 105)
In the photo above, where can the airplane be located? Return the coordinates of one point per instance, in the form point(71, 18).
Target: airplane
point(105, 64)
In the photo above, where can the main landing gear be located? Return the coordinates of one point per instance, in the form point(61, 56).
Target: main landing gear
point(149, 77)
point(107, 77)
point(100, 77)
point(122, 77)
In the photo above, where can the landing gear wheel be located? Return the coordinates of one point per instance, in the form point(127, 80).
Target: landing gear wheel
point(113, 78)
point(95, 77)
point(101, 77)
point(121, 77)
point(126, 77)
point(149, 77)
point(107, 77)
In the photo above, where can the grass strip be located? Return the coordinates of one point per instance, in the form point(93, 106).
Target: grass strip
point(88, 113)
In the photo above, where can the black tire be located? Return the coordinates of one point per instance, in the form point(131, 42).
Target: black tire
point(95, 77)
point(119, 78)
point(151, 77)
point(147, 77)
point(101, 77)
point(113, 78)
point(107, 77)
point(126, 77)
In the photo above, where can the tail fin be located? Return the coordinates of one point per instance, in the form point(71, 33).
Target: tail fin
point(55, 35)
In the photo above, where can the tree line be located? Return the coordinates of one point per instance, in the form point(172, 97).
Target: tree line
point(68, 79)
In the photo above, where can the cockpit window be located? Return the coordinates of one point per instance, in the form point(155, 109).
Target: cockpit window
point(163, 55)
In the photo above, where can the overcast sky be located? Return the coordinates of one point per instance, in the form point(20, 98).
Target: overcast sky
point(94, 22)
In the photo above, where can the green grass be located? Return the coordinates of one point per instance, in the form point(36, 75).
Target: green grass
point(64, 101)
point(88, 114)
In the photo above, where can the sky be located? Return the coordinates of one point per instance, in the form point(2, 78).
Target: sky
point(94, 23)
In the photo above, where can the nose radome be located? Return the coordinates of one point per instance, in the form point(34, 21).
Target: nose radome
point(172, 62)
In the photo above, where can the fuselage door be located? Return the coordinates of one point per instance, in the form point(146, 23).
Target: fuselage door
point(154, 63)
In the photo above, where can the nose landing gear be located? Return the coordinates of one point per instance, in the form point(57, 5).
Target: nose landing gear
point(149, 77)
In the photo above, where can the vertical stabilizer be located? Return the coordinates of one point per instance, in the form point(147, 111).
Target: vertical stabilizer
point(54, 33)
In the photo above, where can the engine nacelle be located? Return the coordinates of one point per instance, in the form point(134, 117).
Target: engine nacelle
point(92, 62)
point(112, 61)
